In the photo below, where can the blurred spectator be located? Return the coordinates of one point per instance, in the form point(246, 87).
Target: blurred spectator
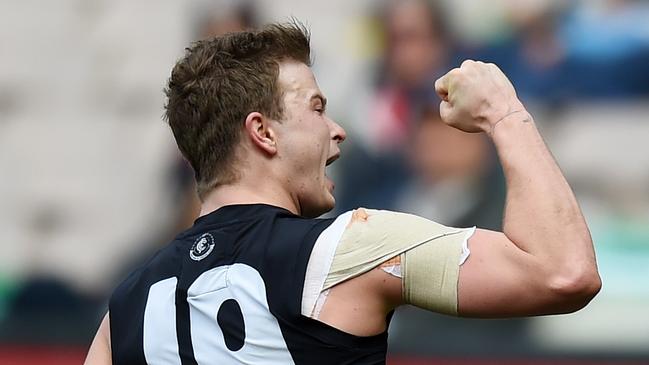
point(607, 30)
point(216, 17)
point(416, 52)
point(559, 52)
point(608, 47)
point(533, 56)
point(457, 180)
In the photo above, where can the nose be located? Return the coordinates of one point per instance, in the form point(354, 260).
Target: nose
point(338, 133)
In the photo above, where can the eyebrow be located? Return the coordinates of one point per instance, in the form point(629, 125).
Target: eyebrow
point(323, 100)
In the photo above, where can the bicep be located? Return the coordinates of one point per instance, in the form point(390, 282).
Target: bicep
point(501, 280)
point(100, 352)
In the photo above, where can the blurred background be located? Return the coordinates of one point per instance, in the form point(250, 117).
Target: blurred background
point(91, 182)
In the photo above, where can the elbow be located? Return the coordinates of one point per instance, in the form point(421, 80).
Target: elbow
point(575, 290)
point(586, 287)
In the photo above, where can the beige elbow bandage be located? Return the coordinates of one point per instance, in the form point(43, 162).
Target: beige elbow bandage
point(431, 254)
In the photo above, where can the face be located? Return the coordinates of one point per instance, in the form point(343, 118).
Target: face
point(307, 140)
point(414, 47)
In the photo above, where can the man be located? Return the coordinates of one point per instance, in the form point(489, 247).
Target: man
point(258, 280)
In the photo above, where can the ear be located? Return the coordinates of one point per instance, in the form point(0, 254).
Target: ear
point(261, 134)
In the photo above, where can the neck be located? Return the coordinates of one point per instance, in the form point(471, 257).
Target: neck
point(242, 193)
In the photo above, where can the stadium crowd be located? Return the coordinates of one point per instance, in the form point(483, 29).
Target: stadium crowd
point(92, 183)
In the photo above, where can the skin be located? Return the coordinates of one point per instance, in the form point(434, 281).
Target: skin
point(99, 352)
point(542, 263)
point(289, 155)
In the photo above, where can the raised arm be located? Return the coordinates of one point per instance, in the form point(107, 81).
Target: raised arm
point(543, 262)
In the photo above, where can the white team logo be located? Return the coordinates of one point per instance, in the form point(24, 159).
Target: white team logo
point(202, 247)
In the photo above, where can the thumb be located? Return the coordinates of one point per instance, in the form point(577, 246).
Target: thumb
point(445, 110)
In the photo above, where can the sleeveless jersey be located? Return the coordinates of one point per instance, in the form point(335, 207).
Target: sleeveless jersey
point(229, 291)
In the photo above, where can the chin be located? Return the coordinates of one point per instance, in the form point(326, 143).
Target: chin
point(322, 207)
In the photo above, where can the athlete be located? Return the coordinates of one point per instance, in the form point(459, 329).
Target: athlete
point(259, 280)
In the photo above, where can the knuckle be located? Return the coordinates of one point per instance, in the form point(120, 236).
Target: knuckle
point(455, 72)
point(467, 63)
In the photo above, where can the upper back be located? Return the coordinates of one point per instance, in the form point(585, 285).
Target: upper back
point(229, 290)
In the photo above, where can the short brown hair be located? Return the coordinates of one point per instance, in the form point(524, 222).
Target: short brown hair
point(217, 84)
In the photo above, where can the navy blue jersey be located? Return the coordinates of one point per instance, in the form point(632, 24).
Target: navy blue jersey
point(229, 291)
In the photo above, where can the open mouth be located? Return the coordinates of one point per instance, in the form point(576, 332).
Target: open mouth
point(333, 158)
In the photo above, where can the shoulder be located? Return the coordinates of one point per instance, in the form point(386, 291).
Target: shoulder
point(369, 226)
point(371, 237)
point(163, 263)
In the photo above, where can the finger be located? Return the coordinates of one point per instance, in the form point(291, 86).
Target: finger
point(445, 111)
point(499, 75)
point(467, 63)
point(441, 87)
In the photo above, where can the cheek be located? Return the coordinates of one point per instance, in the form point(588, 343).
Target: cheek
point(315, 147)
point(304, 164)
point(306, 150)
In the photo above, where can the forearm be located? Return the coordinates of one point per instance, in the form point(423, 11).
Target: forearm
point(543, 261)
point(542, 216)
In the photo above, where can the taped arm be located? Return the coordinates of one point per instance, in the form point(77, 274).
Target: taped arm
point(427, 253)
point(497, 280)
point(457, 271)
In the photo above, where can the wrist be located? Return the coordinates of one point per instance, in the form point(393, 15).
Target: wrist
point(499, 111)
point(512, 133)
point(513, 116)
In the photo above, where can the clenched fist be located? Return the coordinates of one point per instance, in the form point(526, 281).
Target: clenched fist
point(476, 96)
